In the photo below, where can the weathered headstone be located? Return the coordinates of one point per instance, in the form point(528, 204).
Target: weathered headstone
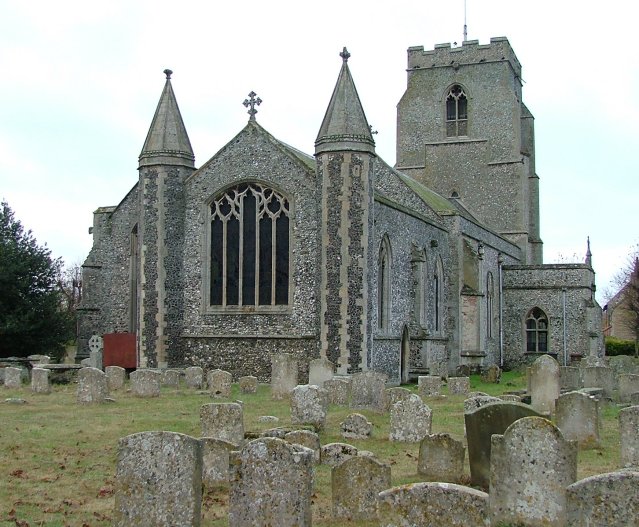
point(481, 424)
point(223, 421)
point(271, 484)
point(284, 372)
point(577, 416)
point(332, 454)
point(458, 385)
point(432, 504)
point(12, 377)
point(511, 397)
point(410, 420)
point(215, 461)
point(145, 383)
point(628, 384)
point(356, 426)
point(194, 377)
point(319, 371)
point(338, 390)
point(305, 438)
point(355, 485)
point(115, 377)
point(634, 399)
point(248, 384)
point(368, 391)
point(171, 378)
point(569, 378)
point(96, 348)
point(158, 480)
point(544, 384)
point(629, 436)
point(491, 375)
point(472, 403)
point(605, 500)
point(599, 377)
point(396, 394)
point(40, 380)
point(441, 458)
point(531, 466)
point(429, 385)
point(309, 404)
point(92, 386)
point(219, 383)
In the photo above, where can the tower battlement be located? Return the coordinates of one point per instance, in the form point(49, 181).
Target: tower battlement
point(470, 52)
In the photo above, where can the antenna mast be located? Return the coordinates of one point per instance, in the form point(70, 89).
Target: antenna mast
point(465, 26)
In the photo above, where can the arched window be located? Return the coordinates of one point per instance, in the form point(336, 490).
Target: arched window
point(438, 280)
point(456, 112)
point(249, 243)
point(421, 290)
point(490, 295)
point(383, 285)
point(134, 263)
point(536, 331)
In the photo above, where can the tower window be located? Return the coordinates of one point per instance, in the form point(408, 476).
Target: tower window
point(456, 112)
point(536, 331)
point(384, 285)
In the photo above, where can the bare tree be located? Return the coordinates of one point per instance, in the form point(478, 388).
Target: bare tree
point(70, 285)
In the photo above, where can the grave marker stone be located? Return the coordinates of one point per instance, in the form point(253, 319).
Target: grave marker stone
point(194, 377)
point(429, 385)
point(396, 394)
point(307, 439)
point(309, 404)
point(115, 377)
point(368, 391)
point(356, 426)
point(92, 386)
point(599, 377)
point(569, 378)
point(332, 454)
point(544, 384)
point(40, 380)
point(629, 436)
point(338, 390)
point(410, 420)
point(215, 461)
point(577, 416)
point(248, 384)
point(441, 458)
point(219, 383)
point(223, 421)
point(171, 378)
point(628, 384)
point(472, 403)
point(458, 385)
point(12, 377)
point(145, 383)
point(284, 372)
point(319, 371)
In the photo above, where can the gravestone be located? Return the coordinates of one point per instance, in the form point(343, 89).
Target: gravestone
point(356, 426)
point(171, 378)
point(115, 377)
point(305, 438)
point(511, 398)
point(604, 500)
point(441, 458)
point(472, 403)
point(355, 485)
point(309, 404)
point(491, 375)
point(40, 380)
point(223, 421)
point(96, 350)
point(284, 372)
point(319, 371)
point(92, 386)
point(215, 461)
point(12, 377)
point(332, 454)
point(544, 384)
point(628, 384)
point(145, 383)
point(432, 504)
point(634, 399)
point(396, 394)
point(481, 424)
point(569, 378)
point(577, 416)
point(248, 384)
point(458, 385)
point(194, 377)
point(158, 480)
point(219, 383)
point(410, 420)
point(429, 385)
point(338, 390)
point(368, 391)
point(629, 436)
point(599, 377)
point(271, 485)
point(531, 466)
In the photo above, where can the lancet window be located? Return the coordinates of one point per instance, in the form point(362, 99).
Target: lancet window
point(456, 112)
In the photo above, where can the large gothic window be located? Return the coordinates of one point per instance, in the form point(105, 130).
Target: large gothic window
point(490, 296)
point(456, 112)
point(383, 285)
point(438, 283)
point(536, 331)
point(249, 244)
point(421, 291)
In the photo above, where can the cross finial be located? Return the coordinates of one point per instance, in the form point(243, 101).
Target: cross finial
point(252, 102)
point(345, 54)
point(168, 74)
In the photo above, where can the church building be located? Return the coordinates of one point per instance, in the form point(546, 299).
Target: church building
point(421, 268)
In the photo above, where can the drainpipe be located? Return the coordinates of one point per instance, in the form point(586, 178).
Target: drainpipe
point(500, 262)
point(563, 295)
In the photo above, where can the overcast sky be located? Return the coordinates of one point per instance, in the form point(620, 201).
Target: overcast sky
point(81, 80)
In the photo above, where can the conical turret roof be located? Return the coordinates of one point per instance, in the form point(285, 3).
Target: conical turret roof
point(345, 126)
point(167, 142)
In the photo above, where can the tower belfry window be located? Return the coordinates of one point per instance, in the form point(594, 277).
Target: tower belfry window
point(456, 112)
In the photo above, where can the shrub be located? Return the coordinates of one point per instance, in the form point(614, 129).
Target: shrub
point(615, 346)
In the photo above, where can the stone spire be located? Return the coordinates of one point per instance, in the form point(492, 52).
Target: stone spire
point(588, 253)
point(167, 142)
point(344, 126)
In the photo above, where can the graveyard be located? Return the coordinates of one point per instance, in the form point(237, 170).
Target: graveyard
point(59, 452)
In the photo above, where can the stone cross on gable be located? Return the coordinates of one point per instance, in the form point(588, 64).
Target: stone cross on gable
point(252, 102)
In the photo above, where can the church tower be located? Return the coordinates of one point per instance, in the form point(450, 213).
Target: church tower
point(165, 161)
point(345, 153)
point(464, 131)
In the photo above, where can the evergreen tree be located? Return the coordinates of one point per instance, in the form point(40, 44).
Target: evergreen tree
point(31, 318)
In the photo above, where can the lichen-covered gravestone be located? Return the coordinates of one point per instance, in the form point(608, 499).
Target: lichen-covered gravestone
point(305, 438)
point(219, 383)
point(544, 384)
point(194, 377)
point(577, 416)
point(599, 377)
point(396, 394)
point(215, 461)
point(410, 420)
point(429, 385)
point(628, 384)
point(531, 466)
point(355, 485)
point(569, 378)
point(368, 391)
point(319, 371)
point(171, 378)
point(248, 384)
point(284, 372)
point(458, 385)
point(629, 436)
point(92, 386)
point(491, 375)
point(158, 480)
point(223, 421)
point(338, 390)
point(441, 458)
point(12, 377)
point(40, 381)
point(145, 383)
point(309, 404)
point(115, 377)
point(472, 403)
point(356, 426)
point(271, 484)
point(332, 454)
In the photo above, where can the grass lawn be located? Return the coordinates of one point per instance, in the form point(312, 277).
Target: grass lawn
point(58, 458)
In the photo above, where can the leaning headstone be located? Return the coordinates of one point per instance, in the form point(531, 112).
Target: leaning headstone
point(171, 378)
point(410, 420)
point(12, 377)
point(472, 403)
point(271, 484)
point(432, 504)
point(458, 385)
point(92, 386)
point(215, 461)
point(338, 391)
point(248, 384)
point(544, 384)
point(368, 391)
point(599, 377)
point(158, 480)
point(223, 421)
point(284, 372)
point(531, 466)
point(481, 424)
point(577, 416)
point(491, 375)
point(605, 500)
point(355, 485)
point(396, 394)
point(319, 371)
point(305, 438)
point(333, 454)
point(441, 458)
point(40, 381)
point(194, 377)
point(356, 426)
point(429, 385)
point(569, 378)
point(219, 383)
point(629, 436)
point(309, 405)
point(628, 384)
point(115, 377)
point(145, 383)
